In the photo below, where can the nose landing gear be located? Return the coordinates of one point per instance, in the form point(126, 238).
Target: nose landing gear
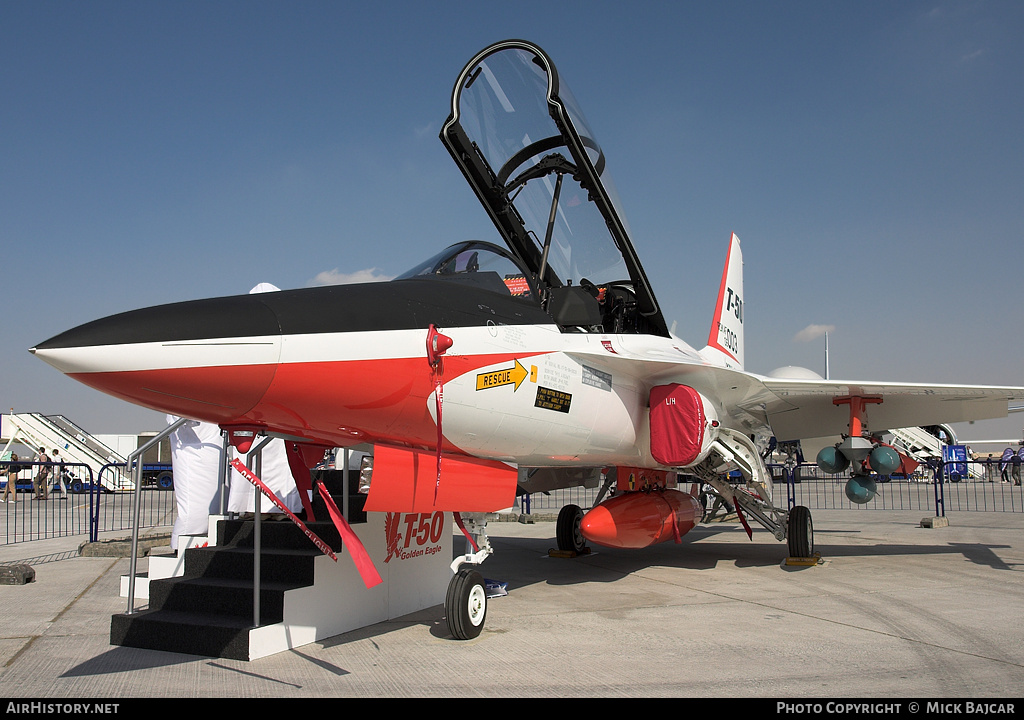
point(465, 606)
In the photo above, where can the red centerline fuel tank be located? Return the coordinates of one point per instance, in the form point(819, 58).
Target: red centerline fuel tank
point(641, 519)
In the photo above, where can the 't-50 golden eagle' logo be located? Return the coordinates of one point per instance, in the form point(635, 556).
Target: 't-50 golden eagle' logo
point(391, 534)
point(422, 535)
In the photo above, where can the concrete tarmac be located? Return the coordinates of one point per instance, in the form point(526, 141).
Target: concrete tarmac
point(893, 610)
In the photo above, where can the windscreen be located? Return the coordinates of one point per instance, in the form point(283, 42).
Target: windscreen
point(469, 260)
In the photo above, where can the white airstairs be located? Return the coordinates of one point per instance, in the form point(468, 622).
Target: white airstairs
point(919, 443)
point(76, 446)
point(923, 446)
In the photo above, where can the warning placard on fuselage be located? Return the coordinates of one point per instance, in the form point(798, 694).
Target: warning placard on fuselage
point(553, 399)
point(597, 378)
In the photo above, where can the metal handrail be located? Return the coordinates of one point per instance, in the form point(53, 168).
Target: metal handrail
point(136, 471)
point(256, 453)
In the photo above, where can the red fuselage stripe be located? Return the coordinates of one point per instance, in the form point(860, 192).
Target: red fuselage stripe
point(340, 402)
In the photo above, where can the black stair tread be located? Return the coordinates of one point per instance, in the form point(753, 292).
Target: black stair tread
point(244, 555)
point(214, 581)
point(189, 620)
point(203, 634)
point(248, 550)
point(240, 533)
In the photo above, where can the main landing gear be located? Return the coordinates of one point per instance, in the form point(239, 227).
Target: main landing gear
point(753, 497)
point(568, 535)
point(800, 533)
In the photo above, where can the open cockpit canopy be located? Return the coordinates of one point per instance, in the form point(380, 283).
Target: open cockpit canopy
point(518, 136)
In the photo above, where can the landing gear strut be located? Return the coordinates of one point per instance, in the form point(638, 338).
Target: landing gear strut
point(754, 497)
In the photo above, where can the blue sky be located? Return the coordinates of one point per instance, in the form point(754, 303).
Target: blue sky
point(868, 154)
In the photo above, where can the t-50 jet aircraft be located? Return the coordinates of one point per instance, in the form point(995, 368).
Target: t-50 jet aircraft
point(489, 370)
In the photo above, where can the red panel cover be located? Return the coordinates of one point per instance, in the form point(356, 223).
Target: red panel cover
point(405, 480)
point(677, 424)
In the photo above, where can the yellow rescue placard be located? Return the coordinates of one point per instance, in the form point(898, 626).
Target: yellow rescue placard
point(496, 378)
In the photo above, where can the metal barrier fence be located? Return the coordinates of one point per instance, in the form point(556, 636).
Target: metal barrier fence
point(114, 511)
point(80, 505)
point(553, 501)
point(89, 508)
point(975, 486)
point(980, 486)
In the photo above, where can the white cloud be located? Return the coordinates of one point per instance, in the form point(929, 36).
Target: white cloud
point(336, 277)
point(971, 56)
point(423, 131)
point(812, 332)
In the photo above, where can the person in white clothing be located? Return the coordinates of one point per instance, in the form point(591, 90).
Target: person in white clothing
point(275, 473)
point(196, 451)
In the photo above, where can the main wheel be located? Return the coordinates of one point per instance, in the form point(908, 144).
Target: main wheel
point(466, 604)
point(567, 529)
point(800, 532)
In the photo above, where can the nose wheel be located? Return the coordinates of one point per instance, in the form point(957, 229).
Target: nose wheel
point(466, 604)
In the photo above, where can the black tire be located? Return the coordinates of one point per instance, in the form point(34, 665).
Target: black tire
point(800, 532)
point(165, 480)
point(567, 529)
point(466, 604)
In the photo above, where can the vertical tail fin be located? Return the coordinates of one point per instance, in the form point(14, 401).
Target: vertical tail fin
point(725, 341)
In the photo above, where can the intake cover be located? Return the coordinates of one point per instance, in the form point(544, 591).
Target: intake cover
point(683, 425)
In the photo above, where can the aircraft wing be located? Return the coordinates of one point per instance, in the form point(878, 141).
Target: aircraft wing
point(797, 408)
point(803, 408)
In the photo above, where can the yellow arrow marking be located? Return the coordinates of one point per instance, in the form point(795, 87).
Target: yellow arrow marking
point(496, 378)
